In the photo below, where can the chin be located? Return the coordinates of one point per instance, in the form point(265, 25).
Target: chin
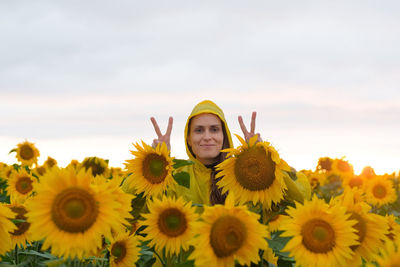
point(209, 157)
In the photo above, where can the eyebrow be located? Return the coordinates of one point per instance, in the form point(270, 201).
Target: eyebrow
point(213, 125)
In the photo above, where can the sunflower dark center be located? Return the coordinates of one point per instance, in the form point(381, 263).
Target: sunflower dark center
point(361, 228)
point(314, 182)
point(22, 227)
point(356, 182)
point(118, 250)
point(155, 168)
point(255, 169)
point(94, 164)
point(26, 152)
point(74, 210)
point(24, 185)
point(227, 235)
point(41, 170)
point(379, 191)
point(318, 236)
point(325, 164)
point(172, 222)
point(51, 162)
point(344, 166)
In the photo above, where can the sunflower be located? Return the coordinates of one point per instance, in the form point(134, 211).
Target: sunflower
point(98, 166)
point(20, 185)
point(322, 235)
point(151, 169)
point(8, 171)
point(394, 229)
point(170, 224)
point(380, 191)
point(22, 234)
point(74, 164)
point(3, 169)
point(325, 164)
point(6, 226)
point(274, 223)
point(388, 257)
point(353, 181)
point(124, 250)
point(113, 187)
point(315, 178)
point(50, 162)
point(116, 172)
point(368, 172)
point(39, 170)
point(253, 172)
point(342, 166)
point(27, 153)
point(270, 256)
point(371, 228)
point(72, 214)
point(228, 233)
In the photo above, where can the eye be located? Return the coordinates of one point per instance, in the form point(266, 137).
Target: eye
point(215, 129)
point(198, 130)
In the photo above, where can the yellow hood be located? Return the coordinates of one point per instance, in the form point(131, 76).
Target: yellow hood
point(206, 106)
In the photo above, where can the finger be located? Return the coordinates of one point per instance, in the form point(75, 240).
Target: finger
point(242, 126)
point(154, 144)
point(156, 128)
point(253, 122)
point(259, 139)
point(169, 128)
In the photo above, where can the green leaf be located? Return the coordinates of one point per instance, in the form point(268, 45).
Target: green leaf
point(27, 169)
point(137, 205)
point(277, 243)
point(182, 178)
point(285, 263)
point(12, 150)
point(181, 162)
point(56, 262)
point(35, 253)
point(16, 167)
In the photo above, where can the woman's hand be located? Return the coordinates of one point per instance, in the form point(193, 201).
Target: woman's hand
point(162, 138)
point(247, 134)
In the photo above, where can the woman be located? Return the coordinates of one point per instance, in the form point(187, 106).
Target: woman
point(206, 133)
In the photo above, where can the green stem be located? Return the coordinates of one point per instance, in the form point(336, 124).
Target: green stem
point(261, 263)
point(181, 256)
point(169, 260)
point(162, 262)
point(16, 254)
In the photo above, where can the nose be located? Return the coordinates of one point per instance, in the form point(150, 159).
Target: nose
point(207, 135)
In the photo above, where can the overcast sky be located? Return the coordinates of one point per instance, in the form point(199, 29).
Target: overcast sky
point(82, 78)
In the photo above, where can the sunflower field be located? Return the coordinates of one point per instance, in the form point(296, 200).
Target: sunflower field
point(92, 214)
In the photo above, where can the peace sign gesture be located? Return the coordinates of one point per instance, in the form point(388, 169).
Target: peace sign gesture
point(162, 138)
point(247, 134)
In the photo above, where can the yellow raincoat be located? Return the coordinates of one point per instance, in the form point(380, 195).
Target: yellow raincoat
point(200, 184)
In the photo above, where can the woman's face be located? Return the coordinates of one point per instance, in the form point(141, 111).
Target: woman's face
point(206, 137)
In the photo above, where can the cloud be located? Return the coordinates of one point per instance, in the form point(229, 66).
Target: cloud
point(314, 71)
point(95, 48)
